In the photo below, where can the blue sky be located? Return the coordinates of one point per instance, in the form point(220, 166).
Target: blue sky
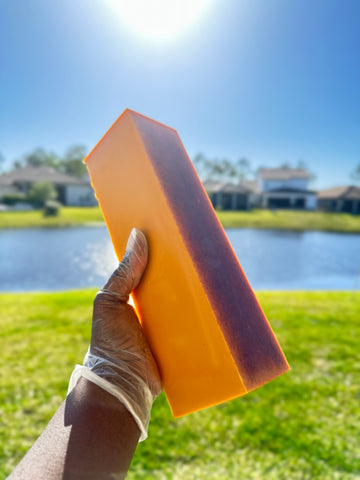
point(273, 80)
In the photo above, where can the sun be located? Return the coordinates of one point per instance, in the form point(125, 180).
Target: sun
point(159, 19)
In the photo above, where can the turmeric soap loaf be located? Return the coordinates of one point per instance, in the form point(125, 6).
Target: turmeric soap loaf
point(201, 318)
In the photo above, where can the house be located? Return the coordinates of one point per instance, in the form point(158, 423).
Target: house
point(340, 199)
point(273, 188)
point(286, 188)
point(71, 190)
point(255, 195)
point(226, 196)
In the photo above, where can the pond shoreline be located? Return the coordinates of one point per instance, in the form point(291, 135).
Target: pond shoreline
point(286, 220)
point(54, 226)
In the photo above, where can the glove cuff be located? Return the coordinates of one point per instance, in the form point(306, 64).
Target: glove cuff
point(137, 398)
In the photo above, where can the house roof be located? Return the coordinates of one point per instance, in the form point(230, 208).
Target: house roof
point(224, 187)
point(251, 185)
point(347, 192)
point(39, 174)
point(212, 186)
point(283, 173)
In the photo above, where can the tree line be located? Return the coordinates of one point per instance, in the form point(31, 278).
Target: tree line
point(71, 162)
point(222, 170)
point(215, 169)
point(225, 170)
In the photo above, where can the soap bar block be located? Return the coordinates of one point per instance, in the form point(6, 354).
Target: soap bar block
point(205, 327)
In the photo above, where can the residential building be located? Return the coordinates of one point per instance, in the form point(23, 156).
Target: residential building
point(273, 188)
point(340, 199)
point(286, 188)
point(71, 190)
point(226, 196)
point(255, 195)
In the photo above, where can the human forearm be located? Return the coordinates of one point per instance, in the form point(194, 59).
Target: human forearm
point(91, 436)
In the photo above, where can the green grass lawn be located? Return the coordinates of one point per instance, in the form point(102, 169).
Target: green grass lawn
point(303, 425)
point(68, 216)
point(291, 220)
point(281, 219)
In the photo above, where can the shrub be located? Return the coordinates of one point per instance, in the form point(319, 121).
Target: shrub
point(52, 208)
point(13, 198)
point(41, 192)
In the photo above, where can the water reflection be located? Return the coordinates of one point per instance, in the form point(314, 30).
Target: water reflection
point(55, 259)
point(274, 259)
point(58, 259)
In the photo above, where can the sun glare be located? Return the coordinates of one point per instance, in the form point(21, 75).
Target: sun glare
point(159, 19)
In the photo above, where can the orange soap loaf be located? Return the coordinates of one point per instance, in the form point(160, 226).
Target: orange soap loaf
point(204, 325)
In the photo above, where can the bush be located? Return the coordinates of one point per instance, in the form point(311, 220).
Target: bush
point(41, 192)
point(52, 208)
point(13, 198)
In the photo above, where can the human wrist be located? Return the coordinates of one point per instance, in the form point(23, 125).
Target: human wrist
point(120, 382)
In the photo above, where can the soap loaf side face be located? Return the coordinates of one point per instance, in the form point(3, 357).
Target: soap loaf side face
point(252, 343)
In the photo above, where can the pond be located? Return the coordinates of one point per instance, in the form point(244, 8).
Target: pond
point(69, 258)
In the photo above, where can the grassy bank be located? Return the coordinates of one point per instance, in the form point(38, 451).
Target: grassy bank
point(303, 425)
point(68, 216)
point(281, 219)
point(291, 220)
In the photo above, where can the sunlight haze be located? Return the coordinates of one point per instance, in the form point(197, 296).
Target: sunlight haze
point(273, 81)
point(159, 20)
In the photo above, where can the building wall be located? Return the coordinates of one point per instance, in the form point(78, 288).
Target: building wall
point(327, 205)
point(339, 205)
point(254, 200)
point(229, 201)
point(289, 200)
point(311, 202)
point(79, 195)
point(298, 183)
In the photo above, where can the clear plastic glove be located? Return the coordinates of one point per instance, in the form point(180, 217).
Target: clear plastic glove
point(119, 359)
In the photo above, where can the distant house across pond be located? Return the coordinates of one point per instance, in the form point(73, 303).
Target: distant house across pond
point(286, 188)
point(340, 199)
point(273, 188)
point(72, 191)
point(227, 196)
point(255, 195)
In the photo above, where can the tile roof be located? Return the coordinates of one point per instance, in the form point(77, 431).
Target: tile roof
point(251, 185)
point(224, 187)
point(40, 174)
point(212, 186)
point(347, 192)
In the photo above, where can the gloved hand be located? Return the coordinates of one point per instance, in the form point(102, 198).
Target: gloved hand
point(119, 359)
